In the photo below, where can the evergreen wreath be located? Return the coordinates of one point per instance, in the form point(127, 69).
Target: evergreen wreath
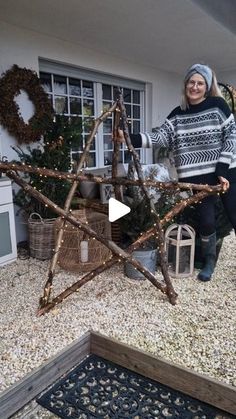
point(11, 83)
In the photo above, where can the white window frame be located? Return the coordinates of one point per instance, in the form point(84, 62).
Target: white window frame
point(98, 78)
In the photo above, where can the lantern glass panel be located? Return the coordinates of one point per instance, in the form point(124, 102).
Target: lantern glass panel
point(180, 250)
point(183, 262)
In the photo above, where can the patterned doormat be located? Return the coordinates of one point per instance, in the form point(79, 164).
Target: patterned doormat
point(98, 388)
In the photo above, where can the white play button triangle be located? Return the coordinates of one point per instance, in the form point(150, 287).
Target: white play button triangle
point(116, 209)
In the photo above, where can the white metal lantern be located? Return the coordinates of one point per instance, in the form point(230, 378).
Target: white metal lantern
point(180, 248)
point(106, 191)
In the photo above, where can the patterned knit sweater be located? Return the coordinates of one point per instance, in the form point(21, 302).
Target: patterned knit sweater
point(202, 139)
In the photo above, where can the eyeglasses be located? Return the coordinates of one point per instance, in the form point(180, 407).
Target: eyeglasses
point(192, 83)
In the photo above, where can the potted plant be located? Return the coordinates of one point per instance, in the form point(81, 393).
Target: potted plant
point(138, 221)
point(52, 153)
point(132, 225)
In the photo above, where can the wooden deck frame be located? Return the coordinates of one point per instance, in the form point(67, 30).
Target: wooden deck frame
point(201, 387)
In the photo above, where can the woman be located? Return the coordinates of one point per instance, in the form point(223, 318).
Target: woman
point(201, 133)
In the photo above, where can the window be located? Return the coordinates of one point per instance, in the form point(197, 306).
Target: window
point(133, 109)
point(86, 94)
point(73, 97)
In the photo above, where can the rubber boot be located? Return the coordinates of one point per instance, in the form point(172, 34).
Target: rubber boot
point(208, 248)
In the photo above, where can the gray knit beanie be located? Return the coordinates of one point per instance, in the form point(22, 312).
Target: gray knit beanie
point(202, 69)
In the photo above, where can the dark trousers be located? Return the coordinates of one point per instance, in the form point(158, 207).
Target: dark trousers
point(229, 203)
point(207, 211)
point(207, 215)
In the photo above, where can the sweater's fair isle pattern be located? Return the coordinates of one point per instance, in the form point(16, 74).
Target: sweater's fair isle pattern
point(202, 139)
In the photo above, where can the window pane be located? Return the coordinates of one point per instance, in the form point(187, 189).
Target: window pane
point(136, 111)
point(75, 105)
point(127, 95)
point(91, 160)
point(106, 106)
point(76, 156)
point(74, 87)
point(107, 141)
point(88, 107)
point(60, 85)
point(61, 104)
point(92, 147)
point(88, 124)
point(107, 126)
point(46, 82)
point(76, 122)
point(87, 88)
point(106, 92)
point(128, 156)
point(78, 146)
point(107, 158)
point(128, 110)
point(136, 127)
point(136, 96)
point(115, 92)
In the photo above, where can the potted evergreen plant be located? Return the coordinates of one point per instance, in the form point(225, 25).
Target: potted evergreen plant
point(52, 153)
point(132, 225)
point(138, 221)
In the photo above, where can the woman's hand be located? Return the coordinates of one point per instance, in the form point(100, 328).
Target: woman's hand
point(224, 183)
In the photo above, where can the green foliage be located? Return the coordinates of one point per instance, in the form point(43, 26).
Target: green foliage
point(140, 218)
point(53, 153)
point(137, 221)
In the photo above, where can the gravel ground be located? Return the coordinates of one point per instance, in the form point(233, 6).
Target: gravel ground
point(199, 332)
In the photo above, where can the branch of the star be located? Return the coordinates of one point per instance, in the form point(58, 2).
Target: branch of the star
point(205, 191)
point(70, 177)
point(82, 161)
point(119, 255)
point(116, 250)
point(109, 263)
point(158, 230)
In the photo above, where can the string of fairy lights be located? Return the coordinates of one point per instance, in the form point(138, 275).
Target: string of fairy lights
point(118, 254)
point(121, 256)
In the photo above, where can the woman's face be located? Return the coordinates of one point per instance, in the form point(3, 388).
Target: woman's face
point(195, 89)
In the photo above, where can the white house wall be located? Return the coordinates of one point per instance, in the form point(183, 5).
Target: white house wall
point(23, 47)
point(228, 77)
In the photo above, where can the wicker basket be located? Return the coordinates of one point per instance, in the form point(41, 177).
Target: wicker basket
point(116, 234)
point(41, 236)
point(69, 257)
